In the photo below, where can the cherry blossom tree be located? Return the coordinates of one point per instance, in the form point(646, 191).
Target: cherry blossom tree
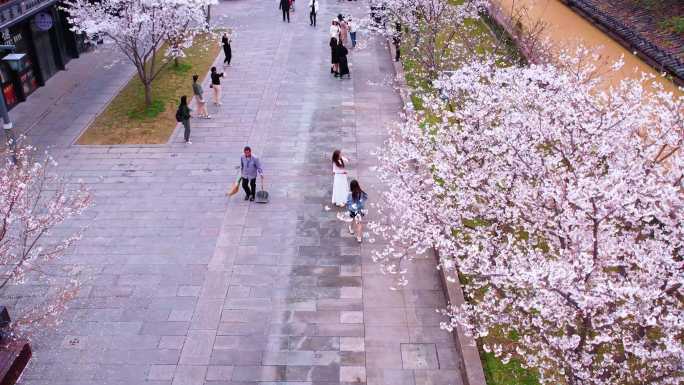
point(560, 205)
point(527, 32)
point(34, 202)
point(140, 28)
point(434, 32)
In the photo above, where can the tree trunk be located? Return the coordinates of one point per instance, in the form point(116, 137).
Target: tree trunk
point(175, 62)
point(208, 15)
point(148, 95)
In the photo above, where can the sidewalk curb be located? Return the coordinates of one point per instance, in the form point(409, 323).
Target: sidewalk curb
point(470, 366)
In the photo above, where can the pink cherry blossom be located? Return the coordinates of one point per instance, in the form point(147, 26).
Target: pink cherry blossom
point(560, 204)
point(34, 202)
point(139, 28)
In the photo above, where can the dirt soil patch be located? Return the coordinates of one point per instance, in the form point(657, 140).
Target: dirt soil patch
point(127, 121)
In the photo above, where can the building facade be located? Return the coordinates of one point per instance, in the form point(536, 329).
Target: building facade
point(36, 43)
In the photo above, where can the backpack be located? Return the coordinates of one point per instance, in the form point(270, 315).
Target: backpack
point(179, 118)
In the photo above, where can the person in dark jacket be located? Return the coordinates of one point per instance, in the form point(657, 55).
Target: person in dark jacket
point(183, 114)
point(343, 65)
point(228, 52)
point(285, 7)
point(334, 58)
point(216, 85)
point(313, 11)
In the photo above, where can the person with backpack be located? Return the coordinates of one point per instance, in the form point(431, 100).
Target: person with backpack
point(356, 205)
point(183, 116)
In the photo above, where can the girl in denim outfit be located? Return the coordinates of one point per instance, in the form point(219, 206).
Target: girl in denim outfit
point(356, 204)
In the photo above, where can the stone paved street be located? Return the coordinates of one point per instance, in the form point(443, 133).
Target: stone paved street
point(186, 287)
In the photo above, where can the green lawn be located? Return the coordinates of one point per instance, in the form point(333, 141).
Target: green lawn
point(127, 121)
point(498, 373)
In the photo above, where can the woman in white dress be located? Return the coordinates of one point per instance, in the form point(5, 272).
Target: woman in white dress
point(340, 185)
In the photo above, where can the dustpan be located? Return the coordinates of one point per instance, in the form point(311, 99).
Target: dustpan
point(261, 195)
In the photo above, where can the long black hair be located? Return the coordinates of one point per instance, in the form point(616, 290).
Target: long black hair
point(356, 191)
point(337, 159)
point(183, 101)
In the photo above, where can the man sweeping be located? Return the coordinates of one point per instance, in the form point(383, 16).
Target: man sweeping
point(250, 166)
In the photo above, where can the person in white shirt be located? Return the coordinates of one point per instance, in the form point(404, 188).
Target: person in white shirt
point(340, 186)
point(352, 31)
point(313, 10)
point(335, 29)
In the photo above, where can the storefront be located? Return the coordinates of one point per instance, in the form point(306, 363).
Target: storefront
point(43, 44)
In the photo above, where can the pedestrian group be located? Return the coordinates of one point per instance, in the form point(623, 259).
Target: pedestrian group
point(340, 30)
point(345, 195)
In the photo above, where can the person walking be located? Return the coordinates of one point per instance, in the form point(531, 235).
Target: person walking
point(334, 57)
point(227, 51)
point(396, 39)
point(342, 63)
point(250, 167)
point(183, 116)
point(340, 186)
point(285, 7)
point(216, 85)
point(344, 29)
point(352, 31)
point(356, 205)
point(199, 96)
point(313, 10)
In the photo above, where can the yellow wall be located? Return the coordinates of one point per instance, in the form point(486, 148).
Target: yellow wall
point(566, 29)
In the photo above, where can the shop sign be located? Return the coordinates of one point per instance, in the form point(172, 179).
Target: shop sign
point(10, 39)
point(43, 21)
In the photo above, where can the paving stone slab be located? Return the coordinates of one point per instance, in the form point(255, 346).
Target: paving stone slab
point(189, 287)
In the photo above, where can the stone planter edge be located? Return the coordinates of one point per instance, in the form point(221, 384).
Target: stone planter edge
point(470, 365)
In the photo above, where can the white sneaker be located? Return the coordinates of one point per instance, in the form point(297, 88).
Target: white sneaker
point(208, 117)
point(359, 239)
point(188, 142)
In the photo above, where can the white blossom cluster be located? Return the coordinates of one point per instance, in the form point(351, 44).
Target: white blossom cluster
point(140, 28)
point(434, 31)
point(33, 202)
point(559, 202)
